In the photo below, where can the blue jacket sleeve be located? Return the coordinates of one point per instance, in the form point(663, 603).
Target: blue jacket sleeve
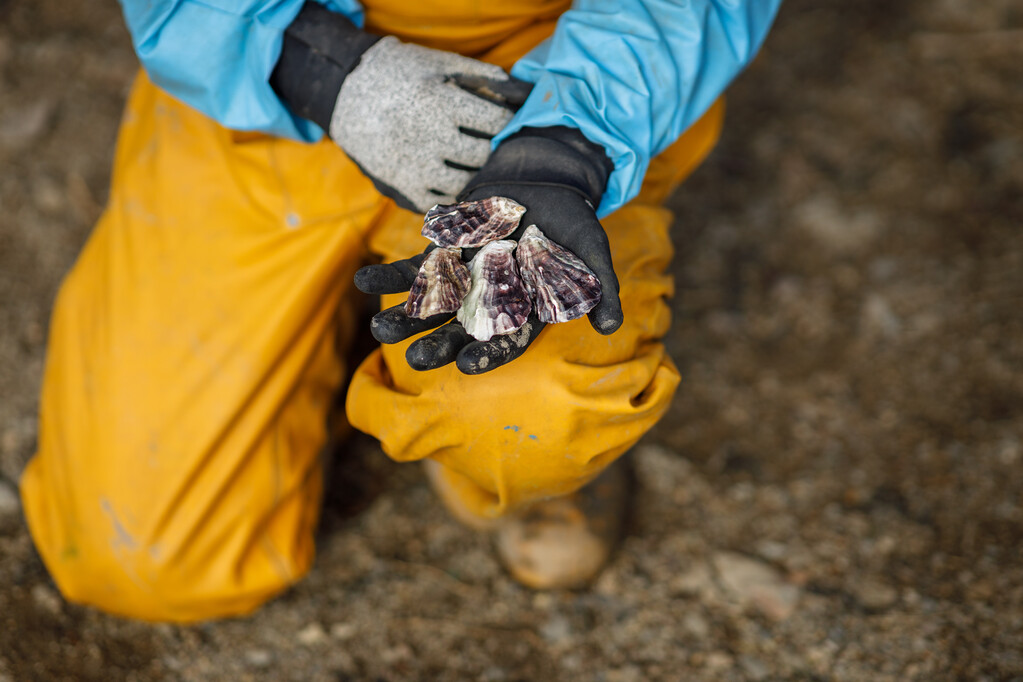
point(217, 56)
point(633, 75)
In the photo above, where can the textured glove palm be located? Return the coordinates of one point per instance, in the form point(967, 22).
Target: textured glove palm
point(559, 177)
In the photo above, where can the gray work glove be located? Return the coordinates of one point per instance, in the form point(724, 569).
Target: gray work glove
point(417, 121)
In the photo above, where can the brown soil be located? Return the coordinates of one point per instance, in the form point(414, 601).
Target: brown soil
point(837, 490)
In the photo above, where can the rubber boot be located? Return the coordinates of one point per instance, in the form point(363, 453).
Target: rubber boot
point(565, 542)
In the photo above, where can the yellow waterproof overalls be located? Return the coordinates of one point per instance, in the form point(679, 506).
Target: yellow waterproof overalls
point(194, 353)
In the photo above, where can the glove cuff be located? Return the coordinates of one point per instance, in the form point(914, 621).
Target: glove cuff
point(320, 49)
point(556, 155)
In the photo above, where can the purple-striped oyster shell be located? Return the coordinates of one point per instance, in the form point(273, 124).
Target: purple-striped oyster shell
point(472, 223)
point(439, 287)
point(497, 303)
point(560, 285)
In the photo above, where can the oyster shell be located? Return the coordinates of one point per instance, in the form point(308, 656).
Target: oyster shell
point(560, 285)
point(439, 287)
point(497, 303)
point(472, 223)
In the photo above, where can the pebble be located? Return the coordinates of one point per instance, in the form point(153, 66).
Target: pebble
point(840, 229)
point(495, 674)
point(258, 658)
point(875, 595)
point(46, 599)
point(878, 319)
point(394, 654)
point(695, 624)
point(9, 502)
point(629, 673)
point(21, 126)
point(311, 635)
point(343, 631)
point(48, 196)
point(556, 629)
point(718, 660)
point(696, 582)
point(754, 668)
point(755, 584)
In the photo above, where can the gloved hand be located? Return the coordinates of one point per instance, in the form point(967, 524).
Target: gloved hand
point(418, 122)
point(559, 176)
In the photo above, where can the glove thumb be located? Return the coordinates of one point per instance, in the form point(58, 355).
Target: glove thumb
point(510, 92)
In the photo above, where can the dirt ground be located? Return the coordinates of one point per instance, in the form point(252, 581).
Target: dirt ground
point(836, 493)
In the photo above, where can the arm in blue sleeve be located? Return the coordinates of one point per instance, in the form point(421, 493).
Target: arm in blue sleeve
point(633, 75)
point(217, 56)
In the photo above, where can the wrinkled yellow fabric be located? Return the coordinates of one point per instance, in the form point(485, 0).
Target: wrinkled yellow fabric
point(196, 347)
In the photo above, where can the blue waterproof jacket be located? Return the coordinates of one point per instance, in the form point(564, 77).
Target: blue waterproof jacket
point(632, 75)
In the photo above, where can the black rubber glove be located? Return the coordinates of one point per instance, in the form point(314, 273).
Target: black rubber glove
point(417, 121)
point(559, 176)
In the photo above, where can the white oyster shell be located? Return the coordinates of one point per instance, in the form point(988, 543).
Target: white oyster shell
point(497, 302)
point(472, 223)
point(560, 285)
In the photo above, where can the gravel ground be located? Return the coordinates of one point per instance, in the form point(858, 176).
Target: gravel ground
point(836, 493)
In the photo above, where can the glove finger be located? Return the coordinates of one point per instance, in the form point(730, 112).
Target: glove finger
point(483, 356)
point(390, 278)
point(445, 181)
point(476, 114)
point(468, 153)
point(437, 348)
point(450, 63)
point(431, 198)
point(393, 325)
point(606, 317)
point(510, 92)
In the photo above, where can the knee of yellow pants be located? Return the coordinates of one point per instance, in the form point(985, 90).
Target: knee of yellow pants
point(178, 517)
point(226, 564)
point(550, 421)
point(191, 366)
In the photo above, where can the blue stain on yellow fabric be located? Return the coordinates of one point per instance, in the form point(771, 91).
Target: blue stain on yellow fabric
point(512, 427)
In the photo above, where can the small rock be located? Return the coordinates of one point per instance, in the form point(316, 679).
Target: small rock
point(629, 673)
point(695, 624)
point(258, 658)
point(1009, 451)
point(556, 629)
point(840, 229)
point(9, 502)
point(173, 663)
point(46, 599)
point(822, 656)
point(495, 674)
point(343, 631)
point(875, 595)
point(771, 550)
point(753, 583)
point(718, 660)
point(48, 196)
point(572, 662)
point(696, 582)
point(311, 635)
point(394, 654)
point(878, 319)
point(21, 126)
point(754, 668)
point(542, 601)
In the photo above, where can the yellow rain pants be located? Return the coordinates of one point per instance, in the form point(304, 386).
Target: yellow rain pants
point(197, 344)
